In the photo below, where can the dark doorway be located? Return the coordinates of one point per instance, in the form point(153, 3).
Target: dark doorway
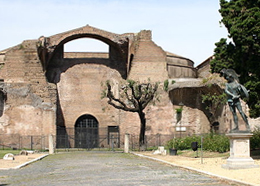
point(86, 132)
point(113, 136)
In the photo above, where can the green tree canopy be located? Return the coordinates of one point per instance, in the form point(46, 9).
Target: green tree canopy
point(242, 52)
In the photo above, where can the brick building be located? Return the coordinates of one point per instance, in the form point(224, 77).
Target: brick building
point(45, 90)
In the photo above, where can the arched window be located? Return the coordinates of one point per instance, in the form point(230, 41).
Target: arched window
point(86, 121)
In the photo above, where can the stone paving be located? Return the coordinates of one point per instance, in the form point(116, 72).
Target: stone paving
point(103, 168)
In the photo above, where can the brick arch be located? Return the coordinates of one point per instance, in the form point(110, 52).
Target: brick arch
point(92, 36)
point(107, 37)
point(51, 49)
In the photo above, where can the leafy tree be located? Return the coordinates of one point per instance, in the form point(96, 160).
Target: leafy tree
point(242, 52)
point(213, 103)
point(133, 97)
point(255, 140)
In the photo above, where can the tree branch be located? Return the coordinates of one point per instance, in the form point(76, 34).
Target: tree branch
point(121, 105)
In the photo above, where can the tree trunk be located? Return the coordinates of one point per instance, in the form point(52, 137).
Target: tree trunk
point(142, 128)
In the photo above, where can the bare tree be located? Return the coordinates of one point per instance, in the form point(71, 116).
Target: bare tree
point(133, 97)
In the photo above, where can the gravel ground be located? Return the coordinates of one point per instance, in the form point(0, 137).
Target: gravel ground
point(102, 168)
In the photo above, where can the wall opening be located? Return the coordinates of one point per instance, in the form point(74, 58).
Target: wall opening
point(86, 132)
point(113, 136)
point(86, 48)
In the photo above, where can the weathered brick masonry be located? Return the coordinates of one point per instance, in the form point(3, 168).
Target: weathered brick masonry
point(47, 88)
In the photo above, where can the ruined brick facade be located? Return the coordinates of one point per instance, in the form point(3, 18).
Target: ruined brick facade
point(46, 88)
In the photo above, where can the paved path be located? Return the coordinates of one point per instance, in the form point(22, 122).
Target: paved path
point(102, 168)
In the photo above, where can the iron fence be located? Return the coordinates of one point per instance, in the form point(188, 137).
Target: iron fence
point(85, 141)
point(15, 141)
point(85, 137)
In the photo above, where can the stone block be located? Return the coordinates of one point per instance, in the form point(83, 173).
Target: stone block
point(30, 151)
point(23, 152)
point(8, 156)
point(160, 151)
point(240, 152)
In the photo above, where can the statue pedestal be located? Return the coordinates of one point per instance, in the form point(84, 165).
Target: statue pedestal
point(240, 152)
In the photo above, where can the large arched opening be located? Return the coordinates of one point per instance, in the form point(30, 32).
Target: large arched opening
point(60, 60)
point(83, 45)
point(78, 73)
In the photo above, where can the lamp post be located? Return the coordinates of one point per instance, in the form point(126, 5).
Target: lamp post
point(179, 111)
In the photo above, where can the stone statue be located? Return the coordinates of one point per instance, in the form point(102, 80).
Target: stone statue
point(235, 91)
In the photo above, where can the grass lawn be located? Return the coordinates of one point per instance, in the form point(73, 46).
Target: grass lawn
point(5, 151)
point(185, 153)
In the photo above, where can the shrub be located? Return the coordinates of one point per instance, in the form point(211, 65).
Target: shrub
point(216, 143)
point(211, 142)
point(255, 139)
point(182, 143)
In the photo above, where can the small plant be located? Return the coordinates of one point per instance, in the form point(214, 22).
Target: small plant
point(172, 144)
point(205, 80)
point(166, 84)
point(21, 47)
point(179, 110)
point(1, 65)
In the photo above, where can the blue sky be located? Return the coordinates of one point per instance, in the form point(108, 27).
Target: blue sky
point(189, 28)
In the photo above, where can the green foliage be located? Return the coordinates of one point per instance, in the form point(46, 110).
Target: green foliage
point(130, 82)
point(211, 142)
point(205, 80)
point(182, 143)
point(214, 100)
point(1, 66)
point(255, 139)
point(104, 89)
point(166, 84)
point(216, 143)
point(242, 53)
point(21, 47)
point(179, 110)
point(5, 151)
point(223, 54)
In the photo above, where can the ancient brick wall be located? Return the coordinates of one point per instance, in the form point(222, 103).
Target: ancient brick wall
point(80, 90)
point(46, 87)
point(204, 68)
point(148, 61)
point(180, 67)
point(86, 55)
point(30, 105)
point(75, 79)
